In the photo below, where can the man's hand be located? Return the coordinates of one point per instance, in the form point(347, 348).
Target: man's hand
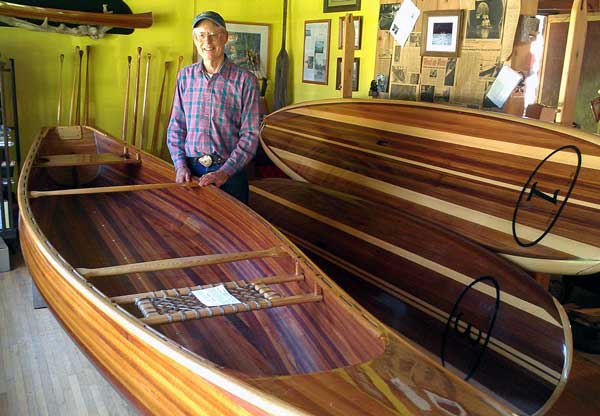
point(182, 175)
point(218, 177)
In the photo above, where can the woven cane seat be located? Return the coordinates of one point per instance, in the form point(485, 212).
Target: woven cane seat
point(180, 304)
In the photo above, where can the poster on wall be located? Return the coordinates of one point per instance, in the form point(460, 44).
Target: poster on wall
point(248, 46)
point(486, 20)
point(315, 65)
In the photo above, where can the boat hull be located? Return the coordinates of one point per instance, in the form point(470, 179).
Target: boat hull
point(525, 189)
point(419, 279)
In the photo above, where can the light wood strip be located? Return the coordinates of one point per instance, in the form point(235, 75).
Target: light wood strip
point(179, 263)
point(442, 270)
point(110, 189)
point(80, 159)
point(553, 241)
point(426, 165)
point(508, 148)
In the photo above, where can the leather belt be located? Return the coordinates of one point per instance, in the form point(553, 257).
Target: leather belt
point(208, 160)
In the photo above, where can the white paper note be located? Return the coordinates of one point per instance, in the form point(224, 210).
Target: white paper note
point(215, 296)
point(504, 85)
point(404, 21)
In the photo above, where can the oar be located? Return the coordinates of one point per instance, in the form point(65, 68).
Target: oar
point(72, 104)
point(126, 107)
point(282, 68)
point(144, 103)
point(86, 100)
point(154, 140)
point(60, 89)
point(136, 93)
point(77, 105)
point(163, 150)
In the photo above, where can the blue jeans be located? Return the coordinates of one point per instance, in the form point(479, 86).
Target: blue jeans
point(236, 185)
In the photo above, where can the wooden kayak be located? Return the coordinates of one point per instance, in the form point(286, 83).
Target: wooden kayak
point(525, 189)
point(117, 258)
point(422, 279)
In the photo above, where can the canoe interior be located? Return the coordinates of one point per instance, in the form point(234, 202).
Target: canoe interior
point(404, 270)
point(463, 170)
point(99, 230)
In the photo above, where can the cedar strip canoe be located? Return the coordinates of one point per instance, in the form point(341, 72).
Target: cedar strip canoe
point(415, 272)
point(527, 190)
point(310, 350)
point(133, 21)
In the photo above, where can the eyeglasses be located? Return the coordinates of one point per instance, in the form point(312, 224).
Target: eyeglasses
point(208, 35)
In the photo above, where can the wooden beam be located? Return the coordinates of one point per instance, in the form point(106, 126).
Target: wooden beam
point(348, 56)
point(569, 82)
point(111, 189)
point(180, 263)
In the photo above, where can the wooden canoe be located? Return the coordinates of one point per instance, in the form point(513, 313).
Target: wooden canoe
point(525, 189)
point(130, 234)
point(415, 273)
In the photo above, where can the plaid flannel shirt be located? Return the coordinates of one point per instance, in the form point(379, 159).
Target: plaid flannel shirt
point(218, 114)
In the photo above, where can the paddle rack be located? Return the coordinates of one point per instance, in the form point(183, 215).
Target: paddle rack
point(10, 156)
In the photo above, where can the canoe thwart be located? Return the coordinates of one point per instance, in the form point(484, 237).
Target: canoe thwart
point(83, 159)
point(271, 280)
point(180, 263)
point(109, 189)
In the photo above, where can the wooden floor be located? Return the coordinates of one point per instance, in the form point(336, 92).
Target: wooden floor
point(43, 373)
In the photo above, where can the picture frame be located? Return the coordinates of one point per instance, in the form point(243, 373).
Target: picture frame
point(315, 62)
point(442, 33)
point(357, 20)
point(248, 46)
point(595, 103)
point(332, 6)
point(355, 74)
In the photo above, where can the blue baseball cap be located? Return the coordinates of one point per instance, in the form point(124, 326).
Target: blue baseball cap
point(212, 16)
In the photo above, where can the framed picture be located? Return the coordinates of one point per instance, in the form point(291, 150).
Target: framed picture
point(330, 6)
point(595, 103)
point(355, 74)
point(315, 65)
point(357, 32)
point(248, 46)
point(442, 33)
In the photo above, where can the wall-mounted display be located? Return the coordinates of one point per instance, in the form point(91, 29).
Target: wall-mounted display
point(442, 33)
point(340, 5)
point(355, 74)
point(357, 20)
point(315, 64)
point(248, 46)
point(485, 20)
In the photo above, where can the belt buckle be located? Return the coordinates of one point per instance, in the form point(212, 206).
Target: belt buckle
point(205, 160)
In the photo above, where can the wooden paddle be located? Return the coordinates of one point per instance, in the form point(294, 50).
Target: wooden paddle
point(86, 100)
point(144, 102)
point(154, 141)
point(126, 106)
point(136, 93)
point(78, 103)
point(163, 150)
point(72, 104)
point(282, 68)
point(60, 90)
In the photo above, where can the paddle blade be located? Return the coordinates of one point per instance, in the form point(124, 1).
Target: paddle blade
point(282, 69)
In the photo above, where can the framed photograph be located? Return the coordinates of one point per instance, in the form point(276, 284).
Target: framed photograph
point(315, 65)
point(330, 6)
point(355, 74)
point(248, 46)
point(442, 33)
point(595, 103)
point(485, 21)
point(357, 32)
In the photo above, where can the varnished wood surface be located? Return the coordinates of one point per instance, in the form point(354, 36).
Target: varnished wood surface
point(275, 361)
point(416, 272)
point(460, 168)
point(138, 20)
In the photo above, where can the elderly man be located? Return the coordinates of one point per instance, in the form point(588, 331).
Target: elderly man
point(213, 132)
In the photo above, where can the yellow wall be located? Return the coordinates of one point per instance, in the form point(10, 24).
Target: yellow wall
point(36, 57)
